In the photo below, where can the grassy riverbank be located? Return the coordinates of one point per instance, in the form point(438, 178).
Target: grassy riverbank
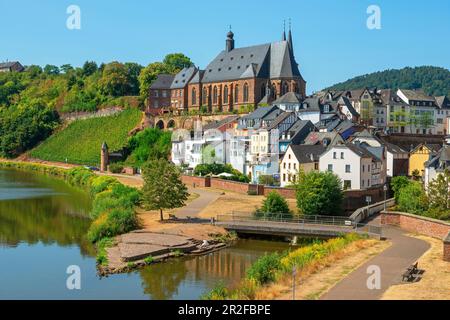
point(113, 208)
point(277, 267)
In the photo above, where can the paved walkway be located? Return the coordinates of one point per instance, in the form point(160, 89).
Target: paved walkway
point(194, 207)
point(393, 262)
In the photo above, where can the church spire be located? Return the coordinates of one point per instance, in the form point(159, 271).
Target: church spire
point(291, 44)
point(283, 36)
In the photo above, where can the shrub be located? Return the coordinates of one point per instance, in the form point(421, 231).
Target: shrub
point(219, 292)
point(274, 205)
point(266, 180)
point(116, 167)
point(397, 184)
point(413, 199)
point(265, 268)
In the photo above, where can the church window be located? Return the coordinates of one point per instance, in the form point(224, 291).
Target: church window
point(194, 96)
point(245, 92)
point(225, 94)
point(236, 94)
point(215, 95)
point(205, 94)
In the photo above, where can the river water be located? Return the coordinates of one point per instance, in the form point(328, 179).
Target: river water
point(43, 223)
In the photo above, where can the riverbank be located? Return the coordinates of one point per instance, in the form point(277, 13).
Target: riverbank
point(116, 212)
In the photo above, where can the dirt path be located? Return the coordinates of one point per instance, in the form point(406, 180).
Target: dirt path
point(392, 262)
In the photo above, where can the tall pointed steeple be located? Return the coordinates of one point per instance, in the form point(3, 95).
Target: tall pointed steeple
point(291, 44)
point(283, 36)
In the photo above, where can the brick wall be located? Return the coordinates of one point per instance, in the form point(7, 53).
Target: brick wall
point(285, 192)
point(447, 248)
point(199, 181)
point(354, 199)
point(412, 223)
point(229, 185)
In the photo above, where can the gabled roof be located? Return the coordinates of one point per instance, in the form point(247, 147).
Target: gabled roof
point(197, 77)
point(360, 151)
point(279, 119)
point(282, 62)
point(163, 81)
point(416, 95)
point(183, 77)
point(218, 124)
point(307, 153)
point(443, 102)
point(318, 137)
point(270, 60)
point(8, 64)
point(345, 101)
point(230, 65)
point(297, 127)
point(433, 147)
point(290, 97)
point(312, 103)
point(259, 113)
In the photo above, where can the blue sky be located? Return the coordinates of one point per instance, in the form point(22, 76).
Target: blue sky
point(331, 40)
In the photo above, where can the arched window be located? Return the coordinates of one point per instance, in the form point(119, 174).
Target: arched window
point(263, 90)
point(236, 94)
point(225, 95)
point(285, 88)
point(215, 95)
point(205, 96)
point(194, 96)
point(245, 92)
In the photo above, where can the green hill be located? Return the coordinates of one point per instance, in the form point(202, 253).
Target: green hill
point(80, 142)
point(433, 80)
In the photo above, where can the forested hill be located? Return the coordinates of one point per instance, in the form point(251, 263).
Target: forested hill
point(433, 80)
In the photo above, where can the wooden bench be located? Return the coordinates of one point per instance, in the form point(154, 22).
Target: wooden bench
point(411, 273)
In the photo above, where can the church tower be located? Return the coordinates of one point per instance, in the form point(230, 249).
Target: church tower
point(230, 41)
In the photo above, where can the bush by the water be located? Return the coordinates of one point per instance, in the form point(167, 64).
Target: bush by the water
point(272, 267)
point(80, 142)
point(274, 205)
point(113, 203)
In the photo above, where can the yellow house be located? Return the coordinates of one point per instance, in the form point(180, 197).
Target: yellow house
point(419, 155)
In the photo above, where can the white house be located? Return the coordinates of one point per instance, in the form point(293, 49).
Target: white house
point(299, 158)
point(437, 165)
point(354, 165)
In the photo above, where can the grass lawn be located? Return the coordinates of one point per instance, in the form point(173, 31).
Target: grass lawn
point(81, 140)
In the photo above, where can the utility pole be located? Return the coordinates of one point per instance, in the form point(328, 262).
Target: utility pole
point(294, 272)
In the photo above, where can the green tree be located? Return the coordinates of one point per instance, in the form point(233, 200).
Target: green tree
point(89, 68)
point(397, 184)
point(319, 193)
point(439, 192)
point(133, 71)
point(114, 80)
point(51, 69)
point(65, 68)
point(149, 74)
point(412, 199)
point(175, 62)
point(163, 188)
point(273, 205)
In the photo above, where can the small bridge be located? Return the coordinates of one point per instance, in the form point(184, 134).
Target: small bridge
point(282, 225)
point(308, 226)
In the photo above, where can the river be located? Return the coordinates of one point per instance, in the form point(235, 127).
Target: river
point(43, 223)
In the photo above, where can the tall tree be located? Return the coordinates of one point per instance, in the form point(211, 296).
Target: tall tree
point(163, 188)
point(175, 62)
point(149, 74)
point(319, 193)
point(114, 80)
point(89, 67)
point(439, 192)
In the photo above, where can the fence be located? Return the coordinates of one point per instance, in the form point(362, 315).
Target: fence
point(366, 212)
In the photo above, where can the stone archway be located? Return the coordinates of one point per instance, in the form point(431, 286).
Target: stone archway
point(171, 124)
point(160, 125)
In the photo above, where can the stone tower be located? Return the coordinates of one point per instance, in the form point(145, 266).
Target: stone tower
point(104, 158)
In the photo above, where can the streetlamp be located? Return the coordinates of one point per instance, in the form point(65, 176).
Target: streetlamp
point(385, 190)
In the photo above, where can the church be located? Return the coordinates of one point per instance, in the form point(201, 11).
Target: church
point(236, 78)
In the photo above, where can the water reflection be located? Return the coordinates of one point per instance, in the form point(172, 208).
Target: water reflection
point(42, 209)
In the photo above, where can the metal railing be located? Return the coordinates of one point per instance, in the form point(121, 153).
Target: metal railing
point(344, 224)
point(280, 217)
